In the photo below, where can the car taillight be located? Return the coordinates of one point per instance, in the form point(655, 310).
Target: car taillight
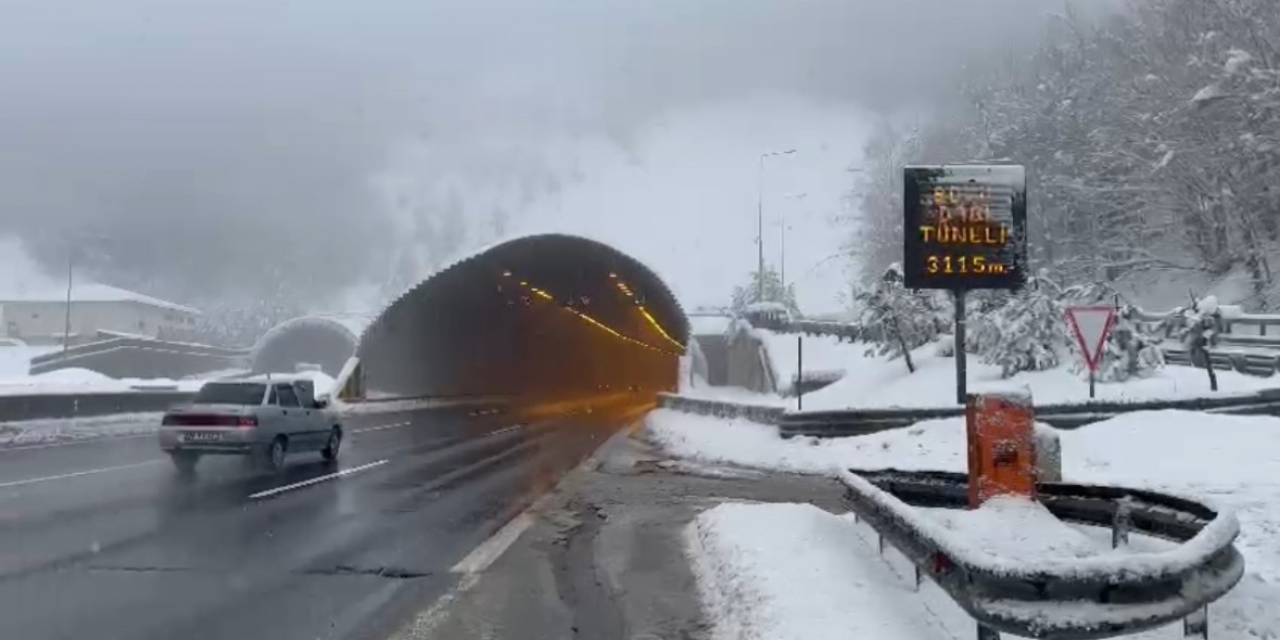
point(247, 421)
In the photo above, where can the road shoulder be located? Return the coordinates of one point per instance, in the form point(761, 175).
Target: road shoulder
point(604, 554)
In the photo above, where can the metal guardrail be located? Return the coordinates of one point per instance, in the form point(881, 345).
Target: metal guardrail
point(1262, 359)
point(756, 413)
point(853, 422)
point(856, 422)
point(1085, 598)
point(1043, 601)
point(65, 405)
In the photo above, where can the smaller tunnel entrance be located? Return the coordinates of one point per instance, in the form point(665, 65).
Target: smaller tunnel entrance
point(317, 340)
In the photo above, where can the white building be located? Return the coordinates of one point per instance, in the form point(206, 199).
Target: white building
point(39, 315)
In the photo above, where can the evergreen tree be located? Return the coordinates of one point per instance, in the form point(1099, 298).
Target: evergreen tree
point(773, 291)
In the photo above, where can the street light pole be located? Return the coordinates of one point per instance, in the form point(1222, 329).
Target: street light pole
point(782, 229)
point(760, 222)
point(760, 231)
point(66, 329)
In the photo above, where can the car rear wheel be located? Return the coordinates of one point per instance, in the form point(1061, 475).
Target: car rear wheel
point(273, 457)
point(330, 450)
point(185, 461)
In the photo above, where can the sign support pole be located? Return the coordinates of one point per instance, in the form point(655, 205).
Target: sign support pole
point(958, 351)
point(799, 373)
point(1091, 396)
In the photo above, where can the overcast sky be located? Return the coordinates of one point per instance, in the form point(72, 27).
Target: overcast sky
point(189, 147)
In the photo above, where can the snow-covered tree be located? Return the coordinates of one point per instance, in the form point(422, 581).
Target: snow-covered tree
point(1197, 327)
point(895, 319)
point(1153, 136)
point(1027, 333)
point(1131, 349)
point(773, 291)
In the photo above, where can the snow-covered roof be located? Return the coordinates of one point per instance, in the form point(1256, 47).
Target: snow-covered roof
point(89, 292)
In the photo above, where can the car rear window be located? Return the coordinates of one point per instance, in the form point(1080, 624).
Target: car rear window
point(231, 393)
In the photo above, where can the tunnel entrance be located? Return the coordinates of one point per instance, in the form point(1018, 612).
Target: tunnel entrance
point(326, 342)
point(546, 315)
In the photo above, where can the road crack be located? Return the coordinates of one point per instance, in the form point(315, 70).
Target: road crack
point(399, 573)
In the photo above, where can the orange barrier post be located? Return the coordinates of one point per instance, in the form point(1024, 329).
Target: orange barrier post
point(1002, 457)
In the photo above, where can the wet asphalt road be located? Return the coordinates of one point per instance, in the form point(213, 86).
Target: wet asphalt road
point(105, 540)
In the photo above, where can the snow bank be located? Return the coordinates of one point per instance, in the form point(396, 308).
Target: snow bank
point(29, 432)
point(933, 444)
point(873, 382)
point(16, 361)
point(1015, 529)
point(793, 571)
point(708, 325)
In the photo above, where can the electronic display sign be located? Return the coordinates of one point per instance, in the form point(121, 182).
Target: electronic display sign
point(964, 227)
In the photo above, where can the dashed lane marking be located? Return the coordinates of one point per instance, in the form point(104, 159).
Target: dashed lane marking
point(306, 483)
point(394, 425)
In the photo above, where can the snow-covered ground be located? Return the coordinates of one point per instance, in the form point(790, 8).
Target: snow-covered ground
point(708, 325)
point(795, 572)
point(33, 432)
point(1229, 460)
point(876, 382)
point(76, 380)
point(16, 361)
point(821, 354)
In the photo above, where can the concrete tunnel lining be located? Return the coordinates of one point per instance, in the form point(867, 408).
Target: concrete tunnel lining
point(546, 314)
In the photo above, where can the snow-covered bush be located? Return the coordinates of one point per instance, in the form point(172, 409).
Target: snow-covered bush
point(896, 320)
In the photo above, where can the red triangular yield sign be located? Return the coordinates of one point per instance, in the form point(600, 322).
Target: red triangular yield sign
point(1091, 326)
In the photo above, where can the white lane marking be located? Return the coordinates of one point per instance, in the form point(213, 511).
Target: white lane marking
point(77, 474)
point(508, 429)
point(306, 483)
point(76, 443)
point(490, 550)
point(424, 624)
point(385, 426)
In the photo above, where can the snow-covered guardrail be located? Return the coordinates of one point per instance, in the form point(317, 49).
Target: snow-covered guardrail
point(1065, 597)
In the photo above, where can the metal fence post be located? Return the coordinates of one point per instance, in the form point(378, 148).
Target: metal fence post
point(1197, 624)
point(1120, 524)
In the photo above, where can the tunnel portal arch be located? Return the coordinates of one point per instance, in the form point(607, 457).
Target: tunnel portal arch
point(547, 314)
point(327, 341)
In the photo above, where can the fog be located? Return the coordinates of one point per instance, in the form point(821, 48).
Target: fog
point(332, 152)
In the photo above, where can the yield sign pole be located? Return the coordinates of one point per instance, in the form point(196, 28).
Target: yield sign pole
point(1090, 326)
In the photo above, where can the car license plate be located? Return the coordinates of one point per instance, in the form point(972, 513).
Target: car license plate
point(202, 436)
